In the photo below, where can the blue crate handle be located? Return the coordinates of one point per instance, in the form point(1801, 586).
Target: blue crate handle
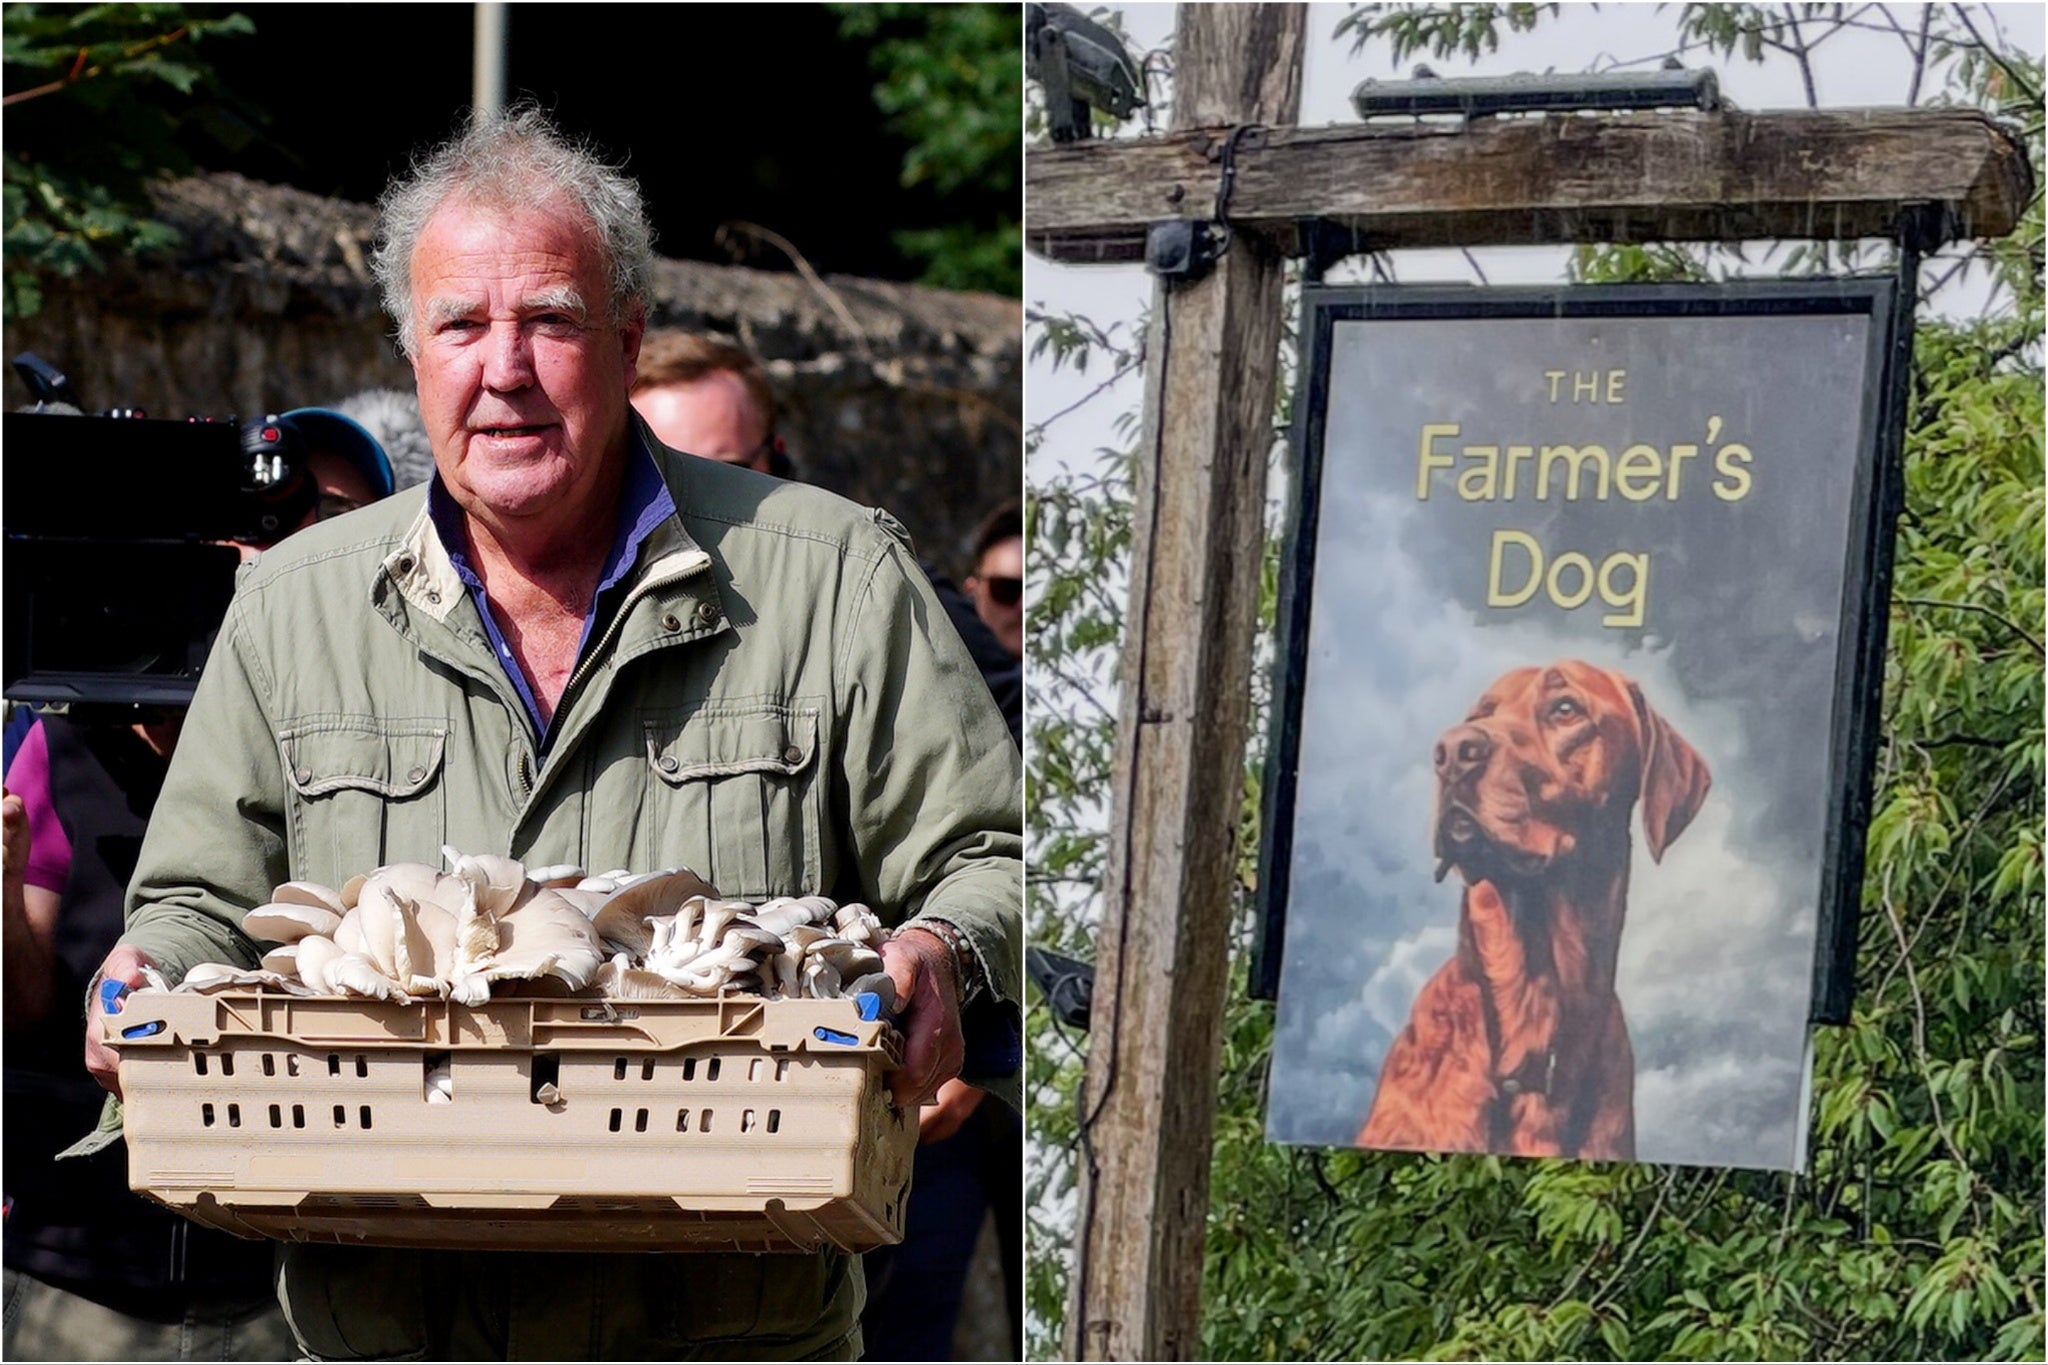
point(110, 1003)
point(833, 1035)
point(870, 1006)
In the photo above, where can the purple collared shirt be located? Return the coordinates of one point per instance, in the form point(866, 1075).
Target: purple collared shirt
point(644, 503)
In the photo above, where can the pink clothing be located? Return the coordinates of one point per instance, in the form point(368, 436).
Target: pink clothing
point(28, 777)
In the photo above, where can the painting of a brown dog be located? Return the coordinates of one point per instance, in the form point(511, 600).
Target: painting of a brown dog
point(1517, 1044)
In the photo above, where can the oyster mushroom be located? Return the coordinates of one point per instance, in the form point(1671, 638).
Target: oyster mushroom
point(735, 955)
point(416, 882)
point(820, 978)
point(752, 938)
point(555, 875)
point(356, 974)
point(315, 953)
point(208, 977)
point(547, 935)
point(589, 902)
point(389, 931)
point(309, 893)
point(288, 922)
point(619, 978)
point(357, 968)
point(500, 882)
point(432, 943)
point(848, 958)
point(858, 923)
point(645, 898)
point(785, 913)
point(718, 917)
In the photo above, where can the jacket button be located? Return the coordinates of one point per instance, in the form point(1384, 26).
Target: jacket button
point(405, 564)
point(669, 764)
point(416, 775)
point(671, 623)
point(302, 776)
point(434, 599)
point(792, 754)
point(707, 612)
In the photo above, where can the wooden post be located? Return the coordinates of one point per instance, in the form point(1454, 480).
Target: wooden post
point(1149, 1097)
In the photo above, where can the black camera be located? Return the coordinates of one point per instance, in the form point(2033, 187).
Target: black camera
point(115, 582)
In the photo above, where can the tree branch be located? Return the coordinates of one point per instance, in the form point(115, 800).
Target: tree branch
point(2005, 621)
point(2026, 86)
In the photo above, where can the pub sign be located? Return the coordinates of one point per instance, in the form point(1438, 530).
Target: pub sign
point(1581, 612)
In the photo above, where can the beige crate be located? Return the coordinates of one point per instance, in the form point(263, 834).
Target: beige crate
point(723, 1124)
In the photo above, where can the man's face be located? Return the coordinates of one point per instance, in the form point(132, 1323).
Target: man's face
point(342, 486)
point(522, 382)
point(999, 576)
point(712, 415)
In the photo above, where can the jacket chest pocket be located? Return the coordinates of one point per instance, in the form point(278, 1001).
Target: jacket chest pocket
point(733, 794)
point(364, 792)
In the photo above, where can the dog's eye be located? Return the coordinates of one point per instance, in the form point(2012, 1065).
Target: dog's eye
point(1564, 708)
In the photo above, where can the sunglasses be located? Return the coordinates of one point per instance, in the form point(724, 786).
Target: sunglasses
point(1007, 592)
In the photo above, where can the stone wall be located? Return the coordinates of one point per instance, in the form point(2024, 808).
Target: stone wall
point(894, 395)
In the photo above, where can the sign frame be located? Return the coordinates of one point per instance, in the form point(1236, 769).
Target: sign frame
point(1876, 497)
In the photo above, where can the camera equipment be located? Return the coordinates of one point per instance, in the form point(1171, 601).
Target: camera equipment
point(114, 582)
point(1082, 66)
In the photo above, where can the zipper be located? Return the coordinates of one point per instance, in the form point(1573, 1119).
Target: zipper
point(696, 565)
point(691, 566)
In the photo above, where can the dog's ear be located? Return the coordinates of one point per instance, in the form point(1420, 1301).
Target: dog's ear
point(1675, 778)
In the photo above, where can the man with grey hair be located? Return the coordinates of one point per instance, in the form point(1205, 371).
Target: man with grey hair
point(577, 646)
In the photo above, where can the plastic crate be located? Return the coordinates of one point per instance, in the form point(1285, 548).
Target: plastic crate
point(734, 1123)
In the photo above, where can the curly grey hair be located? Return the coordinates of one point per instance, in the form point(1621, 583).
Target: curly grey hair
point(515, 160)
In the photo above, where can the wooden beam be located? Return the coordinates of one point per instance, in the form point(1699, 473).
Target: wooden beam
point(1832, 173)
point(1155, 1040)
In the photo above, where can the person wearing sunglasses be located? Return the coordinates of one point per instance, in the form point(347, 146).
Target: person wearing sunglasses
point(997, 583)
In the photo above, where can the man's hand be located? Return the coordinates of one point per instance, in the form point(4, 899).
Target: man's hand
point(944, 1117)
point(928, 1011)
point(123, 964)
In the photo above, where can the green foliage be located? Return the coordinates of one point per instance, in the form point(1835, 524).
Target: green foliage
point(101, 100)
point(951, 82)
point(1439, 30)
point(1917, 1231)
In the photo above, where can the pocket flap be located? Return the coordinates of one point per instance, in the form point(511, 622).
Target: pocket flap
point(769, 739)
point(324, 759)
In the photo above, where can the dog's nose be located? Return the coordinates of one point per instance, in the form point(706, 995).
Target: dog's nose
point(1463, 749)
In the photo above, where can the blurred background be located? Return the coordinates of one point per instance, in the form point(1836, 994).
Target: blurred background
point(832, 186)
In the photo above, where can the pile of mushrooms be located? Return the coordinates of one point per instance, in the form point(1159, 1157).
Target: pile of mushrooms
point(409, 931)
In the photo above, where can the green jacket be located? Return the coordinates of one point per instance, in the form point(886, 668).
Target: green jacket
point(779, 704)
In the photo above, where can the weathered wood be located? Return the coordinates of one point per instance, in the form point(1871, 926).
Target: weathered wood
point(1836, 173)
point(1163, 949)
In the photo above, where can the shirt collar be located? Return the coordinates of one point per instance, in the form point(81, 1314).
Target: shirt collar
point(644, 503)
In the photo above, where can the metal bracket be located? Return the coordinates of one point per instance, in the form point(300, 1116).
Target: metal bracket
point(1321, 244)
point(1183, 250)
